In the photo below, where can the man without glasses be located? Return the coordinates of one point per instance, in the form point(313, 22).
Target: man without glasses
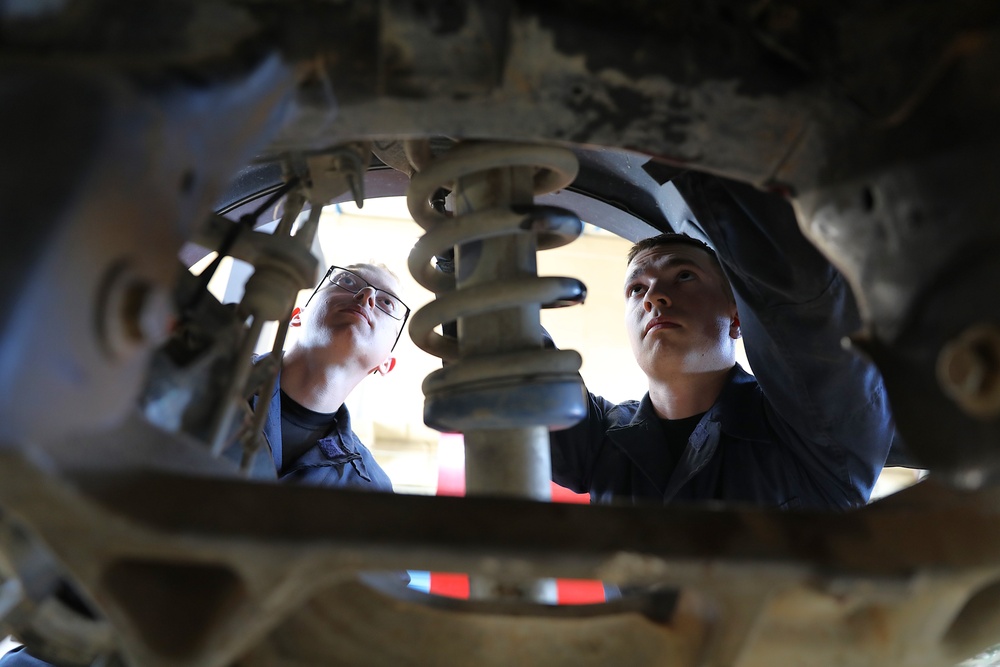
point(811, 431)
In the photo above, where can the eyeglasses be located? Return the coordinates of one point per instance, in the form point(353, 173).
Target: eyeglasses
point(387, 302)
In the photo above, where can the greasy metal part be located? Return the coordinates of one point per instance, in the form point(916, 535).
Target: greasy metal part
point(271, 289)
point(445, 634)
point(918, 246)
point(65, 636)
point(187, 376)
point(498, 260)
point(269, 296)
point(222, 427)
point(493, 236)
point(340, 169)
point(29, 575)
point(610, 190)
point(969, 370)
point(418, 154)
point(878, 118)
point(108, 214)
point(255, 247)
point(905, 581)
point(282, 266)
point(509, 463)
point(307, 231)
point(33, 607)
point(252, 438)
point(456, 396)
point(561, 74)
point(133, 313)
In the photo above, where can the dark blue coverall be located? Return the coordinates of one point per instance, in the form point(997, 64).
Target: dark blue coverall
point(812, 430)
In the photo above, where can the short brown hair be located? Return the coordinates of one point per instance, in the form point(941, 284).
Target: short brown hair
point(398, 292)
point(672, 238)
point(374, 265)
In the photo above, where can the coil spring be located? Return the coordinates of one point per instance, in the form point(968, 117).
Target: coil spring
point(533, 387)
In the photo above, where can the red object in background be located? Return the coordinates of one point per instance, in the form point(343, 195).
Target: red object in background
point(450, 585)
point(579, 591)
point(568, 591)
point(560, 494)
point(451, 465)
point(451, 482)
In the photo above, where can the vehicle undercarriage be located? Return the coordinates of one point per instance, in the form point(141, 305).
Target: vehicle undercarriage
point(127, 131)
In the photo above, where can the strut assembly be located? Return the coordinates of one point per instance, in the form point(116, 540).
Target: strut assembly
point(499, 386)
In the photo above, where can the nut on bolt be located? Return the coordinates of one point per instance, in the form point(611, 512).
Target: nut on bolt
point(134, 313)
point(968, 369)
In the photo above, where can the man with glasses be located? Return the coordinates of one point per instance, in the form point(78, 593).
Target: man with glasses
point(349, 328)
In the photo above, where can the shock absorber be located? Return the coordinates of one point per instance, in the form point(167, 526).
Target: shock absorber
point(498, 386)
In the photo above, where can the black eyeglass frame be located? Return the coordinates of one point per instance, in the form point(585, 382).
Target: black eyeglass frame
point(326, 278)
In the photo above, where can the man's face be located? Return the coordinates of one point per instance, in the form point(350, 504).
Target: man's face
point(678, 315)
point(354, 324)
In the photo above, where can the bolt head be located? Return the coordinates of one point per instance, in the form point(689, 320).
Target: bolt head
point(968, 370)
point(135, 313)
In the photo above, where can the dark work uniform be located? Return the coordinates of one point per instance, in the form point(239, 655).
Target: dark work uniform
point(675, 437)
point(324, 451)
point(19, 657)
point(301, 428)
point(812, 430)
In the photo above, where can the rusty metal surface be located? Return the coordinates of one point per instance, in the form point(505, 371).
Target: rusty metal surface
point(876, 117)
point(195, 571)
